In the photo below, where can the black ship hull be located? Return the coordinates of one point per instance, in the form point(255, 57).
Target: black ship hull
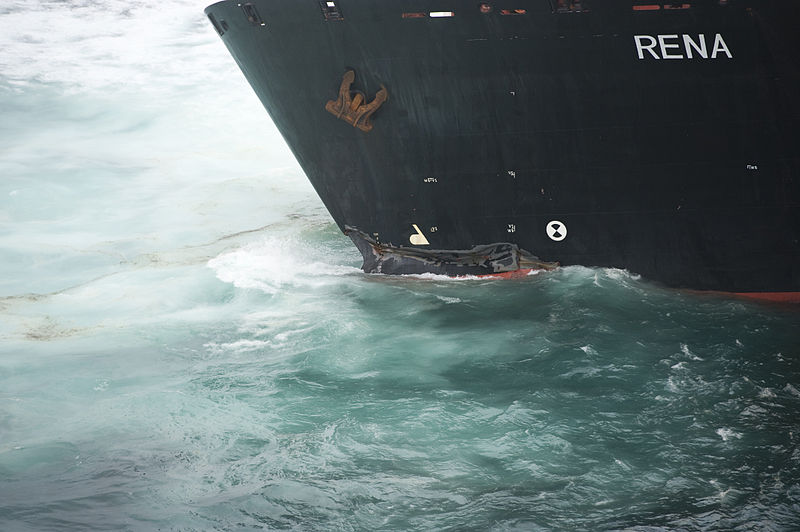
point(657, 137)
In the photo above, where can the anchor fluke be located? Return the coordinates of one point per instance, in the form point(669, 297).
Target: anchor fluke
point(350, 106)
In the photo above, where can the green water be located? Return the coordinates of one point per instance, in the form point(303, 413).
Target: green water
point(187, 343)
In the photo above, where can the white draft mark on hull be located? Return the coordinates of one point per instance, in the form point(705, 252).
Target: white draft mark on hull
point(418, 239)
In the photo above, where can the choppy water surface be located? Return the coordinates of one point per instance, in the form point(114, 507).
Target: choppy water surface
point(188, 344)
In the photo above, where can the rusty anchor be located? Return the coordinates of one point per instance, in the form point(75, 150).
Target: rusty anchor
point(350, 105)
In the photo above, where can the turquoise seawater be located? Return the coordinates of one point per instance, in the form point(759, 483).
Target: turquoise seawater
point(187, 343)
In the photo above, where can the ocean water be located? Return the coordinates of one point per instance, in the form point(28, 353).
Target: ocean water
point(187, 342)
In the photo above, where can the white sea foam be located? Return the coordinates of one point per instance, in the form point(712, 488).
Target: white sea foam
point(766, 393)
point(686, 351)
point(273, 263)
point(588, 349)
point(114, 43)
point(620, 274)
point(727, 434)
point(462, 278)
point(722, 491)
point(443, 278)
point(792, 390)
point(622, 464)
point(239, 346)
point(754, 411)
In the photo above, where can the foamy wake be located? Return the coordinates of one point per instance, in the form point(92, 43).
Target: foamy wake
point(274, 263)
point(460, 278)
point(90, 45)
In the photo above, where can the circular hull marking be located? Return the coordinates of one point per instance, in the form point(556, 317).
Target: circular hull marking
point(556, 230)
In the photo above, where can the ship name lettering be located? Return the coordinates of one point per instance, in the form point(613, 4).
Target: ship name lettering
point(682, 46)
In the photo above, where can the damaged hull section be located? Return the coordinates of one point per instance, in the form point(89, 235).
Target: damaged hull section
point(489, 259)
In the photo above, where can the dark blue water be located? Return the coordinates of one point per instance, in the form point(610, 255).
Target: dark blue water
point(187, 343)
